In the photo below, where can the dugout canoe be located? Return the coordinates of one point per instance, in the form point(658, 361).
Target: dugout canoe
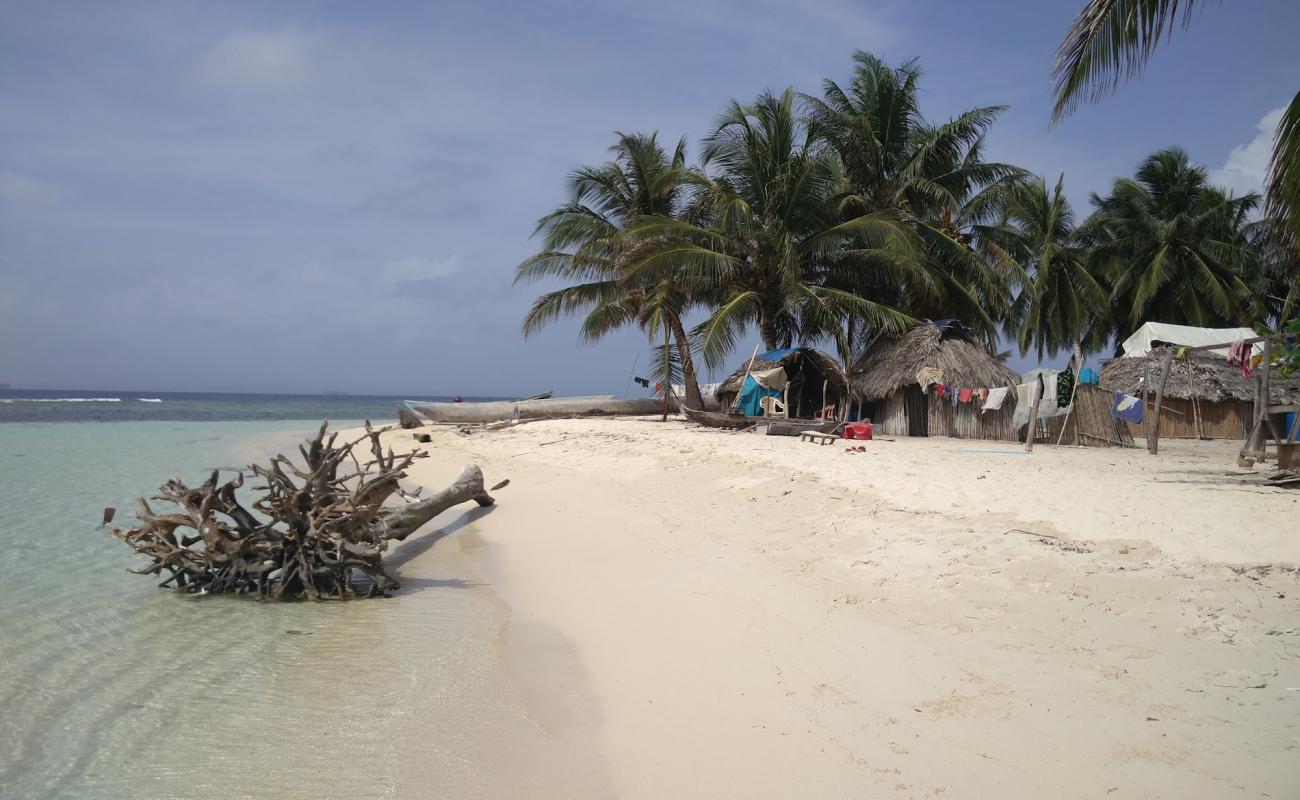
point(545, 408)
point(772, 427)
point(712, 419)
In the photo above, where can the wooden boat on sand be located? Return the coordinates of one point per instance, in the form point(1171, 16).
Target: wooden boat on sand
point(605, 405)
point(712, 419)
point(773, 426)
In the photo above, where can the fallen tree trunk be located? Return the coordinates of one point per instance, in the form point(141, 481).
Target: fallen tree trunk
point(316, 528)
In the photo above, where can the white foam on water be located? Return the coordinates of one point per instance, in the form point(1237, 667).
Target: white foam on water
point(149, 399)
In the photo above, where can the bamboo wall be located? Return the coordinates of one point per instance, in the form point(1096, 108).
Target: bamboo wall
point(966, 421)
point(1200, 419)
point(908, 412)
point(1090, 423)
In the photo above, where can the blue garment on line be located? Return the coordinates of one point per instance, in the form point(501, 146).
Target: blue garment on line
point(1127, 407)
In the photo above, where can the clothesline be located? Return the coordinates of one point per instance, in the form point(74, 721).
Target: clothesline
point(1058, 387)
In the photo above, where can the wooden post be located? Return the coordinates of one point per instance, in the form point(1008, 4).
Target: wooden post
point(825, 383)
point(1267, 419)
point(1153, 444)
point(748, 369)
point(1032, 427)
point(1146, 411)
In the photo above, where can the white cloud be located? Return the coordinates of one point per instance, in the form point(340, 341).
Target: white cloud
point(417, 269)
point(273, 61)
point(1247, 164)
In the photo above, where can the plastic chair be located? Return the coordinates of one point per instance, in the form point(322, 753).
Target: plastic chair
point(772, 407)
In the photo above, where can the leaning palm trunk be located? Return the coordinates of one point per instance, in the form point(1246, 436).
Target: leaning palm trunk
point(694, 399)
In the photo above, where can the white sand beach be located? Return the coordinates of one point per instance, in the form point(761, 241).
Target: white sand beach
point(754, 617)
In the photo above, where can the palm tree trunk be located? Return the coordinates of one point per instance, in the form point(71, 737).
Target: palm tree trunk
point(767, 329)
point(1078, 357)
point(694, 399)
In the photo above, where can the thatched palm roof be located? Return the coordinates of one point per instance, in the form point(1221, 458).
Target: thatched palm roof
point(824, 362)
point(1200, 375)
point(892, 362)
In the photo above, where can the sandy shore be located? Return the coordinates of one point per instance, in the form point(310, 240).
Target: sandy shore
point(761, 618)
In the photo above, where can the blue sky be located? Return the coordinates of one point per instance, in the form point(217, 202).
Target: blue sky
point(333, 196)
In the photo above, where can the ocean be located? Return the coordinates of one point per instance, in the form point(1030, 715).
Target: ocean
point(61, 405)
point(114, 688)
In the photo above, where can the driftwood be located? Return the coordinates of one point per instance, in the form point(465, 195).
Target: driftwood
point(408, 418)
point(312, 531)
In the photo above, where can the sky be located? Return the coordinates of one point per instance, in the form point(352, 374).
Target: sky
point(288, 197)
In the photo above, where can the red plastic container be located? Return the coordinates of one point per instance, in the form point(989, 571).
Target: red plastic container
point(858, 430)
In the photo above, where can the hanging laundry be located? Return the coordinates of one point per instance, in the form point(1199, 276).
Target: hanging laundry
point(952, 395)
point(982, 393)
point(1024, 397)
point(1064, 387)
point(995, 398)
point(1127, 407)
point(965, 395)
point(938, 389)
point(1089, 376)
point(1047, 407)
point(1239, 355)
point(928, 375)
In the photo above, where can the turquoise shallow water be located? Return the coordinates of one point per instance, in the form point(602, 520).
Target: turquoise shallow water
point(113, 688)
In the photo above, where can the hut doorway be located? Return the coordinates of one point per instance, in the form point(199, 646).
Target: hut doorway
point(917, 408)
point(904, 413)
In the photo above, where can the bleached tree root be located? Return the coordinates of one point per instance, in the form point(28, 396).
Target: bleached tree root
point(312, 532)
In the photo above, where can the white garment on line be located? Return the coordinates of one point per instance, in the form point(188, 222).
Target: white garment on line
point(1024, 399)
point(995, 399)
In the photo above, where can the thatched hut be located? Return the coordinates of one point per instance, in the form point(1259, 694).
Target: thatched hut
point(813, 379)
point(885, 380)
point(1204, 398)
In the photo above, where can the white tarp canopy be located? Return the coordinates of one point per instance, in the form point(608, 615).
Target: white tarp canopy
point(1141, 342)
point(773, 378)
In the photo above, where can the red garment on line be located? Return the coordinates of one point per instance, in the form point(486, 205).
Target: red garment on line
point(964, 396)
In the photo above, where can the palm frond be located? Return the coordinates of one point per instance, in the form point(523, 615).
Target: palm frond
point(1109, 42)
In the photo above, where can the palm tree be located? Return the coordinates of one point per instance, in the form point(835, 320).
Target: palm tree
point(769, 239)
point(1062, 299)
point(933, 176)
point(1277, 285)
point(1174, 249)
point(590, 242)
point(1112, 39)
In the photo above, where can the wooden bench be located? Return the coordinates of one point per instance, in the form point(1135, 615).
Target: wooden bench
point(818, 437)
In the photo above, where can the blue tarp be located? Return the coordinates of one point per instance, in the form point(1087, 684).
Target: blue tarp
point(777, 355)
point(751, 394)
